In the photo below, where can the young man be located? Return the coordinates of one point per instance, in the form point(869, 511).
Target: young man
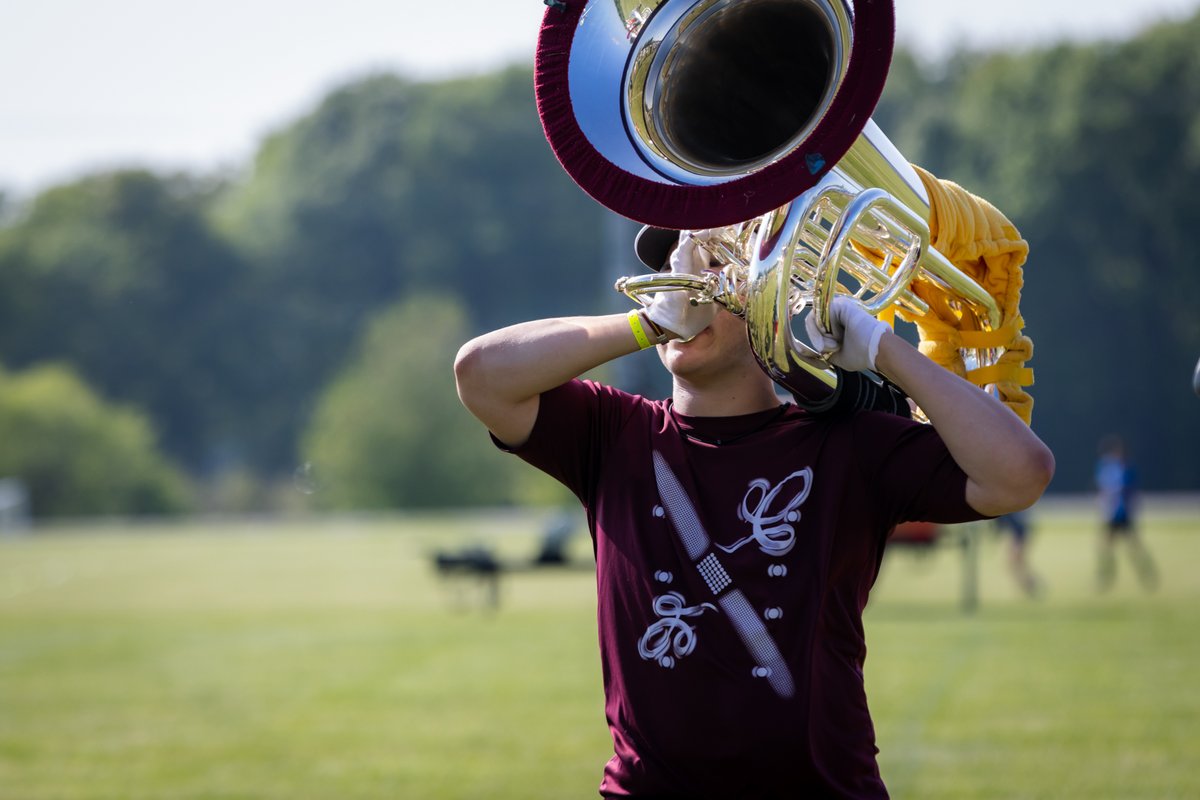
point(736, 537)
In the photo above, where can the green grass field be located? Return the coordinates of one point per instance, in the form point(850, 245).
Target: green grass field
point(324, 659)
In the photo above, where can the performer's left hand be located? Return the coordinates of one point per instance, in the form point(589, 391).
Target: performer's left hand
point(853, 341)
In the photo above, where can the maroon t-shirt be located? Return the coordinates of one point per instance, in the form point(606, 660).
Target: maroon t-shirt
point(731, 583)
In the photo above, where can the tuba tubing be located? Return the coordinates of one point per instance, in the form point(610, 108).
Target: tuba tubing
point(796, 259)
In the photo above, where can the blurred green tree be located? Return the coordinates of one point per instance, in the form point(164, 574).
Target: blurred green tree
point(391, 187)
point(77, 454)
point(119, 275)
point(389, 432)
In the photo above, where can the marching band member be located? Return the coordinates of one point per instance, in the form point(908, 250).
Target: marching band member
point(737, 537)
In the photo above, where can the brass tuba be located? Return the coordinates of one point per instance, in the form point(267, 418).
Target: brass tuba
point(753, 118)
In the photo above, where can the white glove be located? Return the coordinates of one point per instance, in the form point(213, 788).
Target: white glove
point(673, 310)
point(853, 342)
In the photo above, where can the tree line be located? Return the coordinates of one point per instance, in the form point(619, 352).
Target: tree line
point(285, 334)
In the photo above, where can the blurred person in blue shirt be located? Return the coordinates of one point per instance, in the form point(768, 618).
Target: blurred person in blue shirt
point(1116, 482)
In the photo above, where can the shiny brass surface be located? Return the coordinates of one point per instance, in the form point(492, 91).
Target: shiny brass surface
point(796, 259)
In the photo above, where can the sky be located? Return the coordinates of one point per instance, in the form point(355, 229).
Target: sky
point(88, 86)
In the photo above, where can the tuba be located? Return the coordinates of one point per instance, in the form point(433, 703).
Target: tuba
point(750, 120)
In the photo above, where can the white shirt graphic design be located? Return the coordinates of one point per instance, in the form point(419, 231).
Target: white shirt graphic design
point(670, 638)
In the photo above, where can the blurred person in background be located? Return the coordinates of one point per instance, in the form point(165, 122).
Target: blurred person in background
point(1116, 483)
point(737, 537)
point(1016, 525)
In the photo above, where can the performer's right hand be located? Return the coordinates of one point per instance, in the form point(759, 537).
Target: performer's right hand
point(673, 311)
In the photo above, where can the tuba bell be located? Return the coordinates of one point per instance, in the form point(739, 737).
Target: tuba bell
point(750, 120)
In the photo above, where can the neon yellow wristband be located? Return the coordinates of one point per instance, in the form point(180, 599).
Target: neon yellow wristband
point(639, 333)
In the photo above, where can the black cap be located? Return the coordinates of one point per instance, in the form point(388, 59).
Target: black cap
point(654, 245)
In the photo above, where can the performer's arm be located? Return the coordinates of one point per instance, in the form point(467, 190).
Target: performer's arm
point(502, 374)
point(1007, 465)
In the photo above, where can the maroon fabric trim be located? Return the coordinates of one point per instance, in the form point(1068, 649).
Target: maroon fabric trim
point(695, 207)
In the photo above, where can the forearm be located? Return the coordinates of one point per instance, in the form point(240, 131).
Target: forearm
point(1007, 465)
point(501, 374)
